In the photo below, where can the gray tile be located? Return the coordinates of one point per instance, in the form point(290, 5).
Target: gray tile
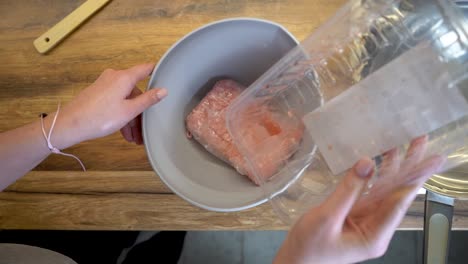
point(261, 246)
point(231, 247)
point(419, 245)
point(212, 247)
point(405, 247)
point(458, 247)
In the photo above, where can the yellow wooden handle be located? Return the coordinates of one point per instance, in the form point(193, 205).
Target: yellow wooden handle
point(63, 28)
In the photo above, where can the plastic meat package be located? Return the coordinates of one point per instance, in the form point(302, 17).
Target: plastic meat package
point(268, 133)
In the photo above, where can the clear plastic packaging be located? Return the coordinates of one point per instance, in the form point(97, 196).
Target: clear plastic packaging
point(378, 74)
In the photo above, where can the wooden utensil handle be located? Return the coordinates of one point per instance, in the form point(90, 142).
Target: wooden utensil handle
point(63, 28)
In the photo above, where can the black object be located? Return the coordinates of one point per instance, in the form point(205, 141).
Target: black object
point(164, 247)
point(103, 247)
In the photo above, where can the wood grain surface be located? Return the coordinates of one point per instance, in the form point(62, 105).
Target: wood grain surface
point(136, 200)
point(120, 191)
point(121, 35)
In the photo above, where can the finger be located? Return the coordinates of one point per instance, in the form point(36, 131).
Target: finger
point(136, 130)
point(145, 100)
point(394, 171)
point(126, 132)
point(386, 178)
point(416, 151)
point(388, 216)
point(139, 72)
point(349, 190)
point(390, 163)
point(421, 173)
point(394, 208)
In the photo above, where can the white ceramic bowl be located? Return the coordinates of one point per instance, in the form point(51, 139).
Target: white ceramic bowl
point(241, 49)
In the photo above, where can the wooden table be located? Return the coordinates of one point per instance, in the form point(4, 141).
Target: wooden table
point(120, 191)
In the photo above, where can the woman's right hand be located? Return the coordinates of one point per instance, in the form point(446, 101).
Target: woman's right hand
point(350, 227)
point(111, 103)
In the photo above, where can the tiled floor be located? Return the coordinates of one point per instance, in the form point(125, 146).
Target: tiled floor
point(407, 247)
point(260, 247)
point(205, 247)
point(231, 247)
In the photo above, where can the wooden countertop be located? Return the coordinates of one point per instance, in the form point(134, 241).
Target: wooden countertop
point(120, 191)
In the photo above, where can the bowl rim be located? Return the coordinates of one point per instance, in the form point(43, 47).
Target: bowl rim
point(152, 160)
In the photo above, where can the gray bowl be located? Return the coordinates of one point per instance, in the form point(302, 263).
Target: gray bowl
point(241, 49)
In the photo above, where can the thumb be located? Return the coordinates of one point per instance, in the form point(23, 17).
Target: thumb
point(349, 190)
point(145, 100)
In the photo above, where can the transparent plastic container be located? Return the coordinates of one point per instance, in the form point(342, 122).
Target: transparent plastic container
point(375, 76)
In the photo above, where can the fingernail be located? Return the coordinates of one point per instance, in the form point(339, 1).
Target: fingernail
point(161, 93)
point(364, 167)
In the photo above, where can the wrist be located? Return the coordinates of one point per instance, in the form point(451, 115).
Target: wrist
point(64, 133)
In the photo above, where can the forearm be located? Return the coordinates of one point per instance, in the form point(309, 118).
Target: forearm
point(23, 148)
point(103, 108)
